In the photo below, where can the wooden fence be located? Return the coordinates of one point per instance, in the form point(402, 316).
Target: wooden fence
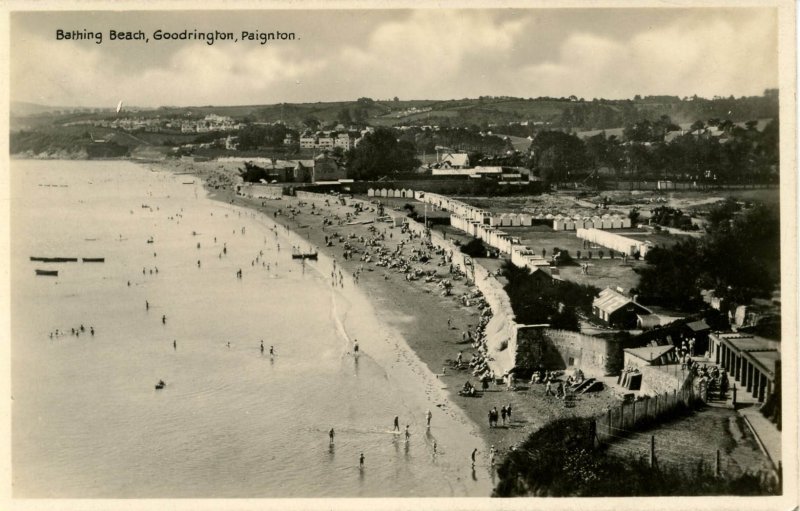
point(638, 414)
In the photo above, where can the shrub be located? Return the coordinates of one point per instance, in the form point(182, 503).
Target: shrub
point(474, 248)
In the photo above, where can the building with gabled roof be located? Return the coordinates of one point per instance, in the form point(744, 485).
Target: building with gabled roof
point(617, 309)
point(455, 160)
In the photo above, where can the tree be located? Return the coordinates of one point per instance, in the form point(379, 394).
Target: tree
point(671, 276)
point(344, 117)
point(380, 154)
point(311, 123)
point(557, 155)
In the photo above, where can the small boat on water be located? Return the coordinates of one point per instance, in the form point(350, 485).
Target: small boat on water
point(55, 259)
point(48, 273)
point(188, 182)
point(94, 259)
point(160, 385)
point(301, 255)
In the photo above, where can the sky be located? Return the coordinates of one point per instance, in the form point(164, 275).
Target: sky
point(410, 53)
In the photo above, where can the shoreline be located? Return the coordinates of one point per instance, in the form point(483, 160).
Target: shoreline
point(414, 309)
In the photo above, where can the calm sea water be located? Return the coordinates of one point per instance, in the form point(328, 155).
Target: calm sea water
point(86, 419)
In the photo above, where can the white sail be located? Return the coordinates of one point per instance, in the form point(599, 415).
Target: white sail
point(119, 106)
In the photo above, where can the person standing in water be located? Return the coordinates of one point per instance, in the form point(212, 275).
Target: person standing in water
point(271, 351)
point(396, 423)
point(428, 417)
point(361, 460)
point(331, 435)
point(355, 347)
point(408, 434)
point(474, 454)
point(174, 344)
point(164, 319)
point(262, 345)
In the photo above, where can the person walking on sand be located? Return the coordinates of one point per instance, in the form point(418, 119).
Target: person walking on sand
point(473, 456)
point(508, 412)
point(491, 456)
point(271, 351)
point(503, 414)
point(428, 417)
point(396, 423)
point(331, 435)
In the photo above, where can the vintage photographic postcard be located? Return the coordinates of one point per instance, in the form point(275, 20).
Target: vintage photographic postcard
point(376, 255)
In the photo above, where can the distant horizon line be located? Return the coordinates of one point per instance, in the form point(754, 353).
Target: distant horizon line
point(389, 100)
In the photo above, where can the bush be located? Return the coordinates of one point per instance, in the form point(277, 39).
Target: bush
point(561, 257)
point(475, 248)
point(560, 460)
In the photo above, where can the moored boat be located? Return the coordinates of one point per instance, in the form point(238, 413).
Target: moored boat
point(94, 259)
point(49, 273)
point(311, 255)
point(55, 259)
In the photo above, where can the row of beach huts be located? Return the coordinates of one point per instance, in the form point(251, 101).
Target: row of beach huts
point(558, 221)
point(485, 226)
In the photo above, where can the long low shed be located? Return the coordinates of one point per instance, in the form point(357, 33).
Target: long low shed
point(613, 241)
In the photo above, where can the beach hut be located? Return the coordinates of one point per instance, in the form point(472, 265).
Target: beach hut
point(371, 192)
point(409, 193)
point(608, 223)
point(515, 221)
point(525, 219)
point(626, 223)
point(383, 192)
point(616, 222)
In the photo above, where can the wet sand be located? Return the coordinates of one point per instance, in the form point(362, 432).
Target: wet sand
point(414, 308)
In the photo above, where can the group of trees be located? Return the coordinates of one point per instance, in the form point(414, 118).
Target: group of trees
point(716, 151)
point(671, 217)
point(739, 259)
point(255, 136)
point(556, 303)
point(379, 154)
point(469, 139)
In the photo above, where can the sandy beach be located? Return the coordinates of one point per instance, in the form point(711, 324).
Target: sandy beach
point(414, 308)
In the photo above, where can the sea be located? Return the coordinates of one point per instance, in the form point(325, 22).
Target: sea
point(167, 304)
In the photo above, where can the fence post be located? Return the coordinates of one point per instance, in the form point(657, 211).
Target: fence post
point(646, 401)
point(674, 398)
point(716, 465)
point(652, 450)
point(622, 416)
point(655, 411)
point(593, 433)
point(633, 414)
point(609, 423)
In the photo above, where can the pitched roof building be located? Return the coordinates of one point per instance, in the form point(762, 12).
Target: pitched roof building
point(617, 309)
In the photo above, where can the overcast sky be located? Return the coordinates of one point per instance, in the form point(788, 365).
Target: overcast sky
point(413, 54)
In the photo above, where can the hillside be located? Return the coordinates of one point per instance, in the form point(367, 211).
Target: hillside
point(533, 113)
